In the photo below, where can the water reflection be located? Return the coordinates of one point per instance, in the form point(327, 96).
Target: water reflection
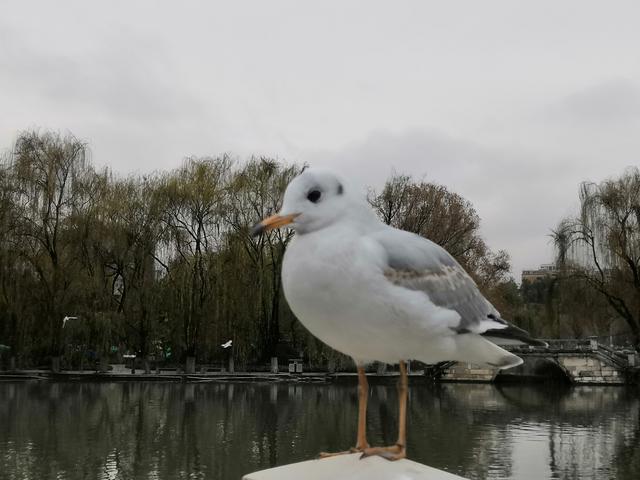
point(221, 431)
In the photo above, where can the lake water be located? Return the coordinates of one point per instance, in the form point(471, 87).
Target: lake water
point(138, 430)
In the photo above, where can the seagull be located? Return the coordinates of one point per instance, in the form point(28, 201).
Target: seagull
point(377, 293)
point(227, 344)
point(66, 319)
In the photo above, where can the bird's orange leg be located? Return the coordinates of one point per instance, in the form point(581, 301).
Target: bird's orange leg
point(397, 451)
point(363, 394)
point(361, 441)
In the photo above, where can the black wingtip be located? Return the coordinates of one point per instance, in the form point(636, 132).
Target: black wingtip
point(516, 334)
point(511, 332)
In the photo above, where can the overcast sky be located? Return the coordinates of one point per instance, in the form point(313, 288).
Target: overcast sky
point(510, 104)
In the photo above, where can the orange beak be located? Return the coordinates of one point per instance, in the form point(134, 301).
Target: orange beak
point(274, 221)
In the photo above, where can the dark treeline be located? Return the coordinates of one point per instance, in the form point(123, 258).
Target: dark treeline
point(599, 256)
point(595, 287)
point(94, 265)
point(159, 265)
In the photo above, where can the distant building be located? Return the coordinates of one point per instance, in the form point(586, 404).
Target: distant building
point(544, 271)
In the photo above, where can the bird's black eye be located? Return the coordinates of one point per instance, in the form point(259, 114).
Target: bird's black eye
point(314, 195)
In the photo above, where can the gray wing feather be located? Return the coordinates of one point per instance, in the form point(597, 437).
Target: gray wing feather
point(416, 263)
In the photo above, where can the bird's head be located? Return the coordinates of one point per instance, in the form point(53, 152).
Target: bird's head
point(315, 199)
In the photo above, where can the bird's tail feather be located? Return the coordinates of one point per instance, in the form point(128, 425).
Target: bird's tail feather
point(476, 349)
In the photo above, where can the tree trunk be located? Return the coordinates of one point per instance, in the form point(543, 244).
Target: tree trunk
point(147, 366)
point(331, 365)
point(12, 363)
point(55, 364)
point(231, 365)
point(103, 365)
point(190, 366)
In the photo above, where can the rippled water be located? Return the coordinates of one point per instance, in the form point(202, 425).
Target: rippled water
point(221, 431)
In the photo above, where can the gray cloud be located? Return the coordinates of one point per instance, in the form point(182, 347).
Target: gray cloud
point(106, 81)
point(119, 93)
point(608, 102)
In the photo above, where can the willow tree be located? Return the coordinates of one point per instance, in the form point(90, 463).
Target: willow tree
point(192, 201)
point(602, 244)
point(256, 192)
point(119, 238)
point(10, 286)
point(46, 170)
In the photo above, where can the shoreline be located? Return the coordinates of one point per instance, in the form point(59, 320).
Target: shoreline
point(308, 377)
point(281, 377)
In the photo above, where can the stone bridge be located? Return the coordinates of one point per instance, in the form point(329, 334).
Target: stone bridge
point(577, 361)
